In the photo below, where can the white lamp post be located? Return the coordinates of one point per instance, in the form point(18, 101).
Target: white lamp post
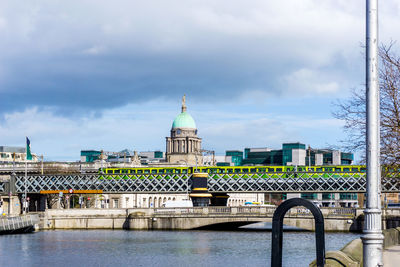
point(372, 238)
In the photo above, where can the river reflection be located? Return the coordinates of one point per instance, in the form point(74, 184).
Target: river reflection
point(159, 248)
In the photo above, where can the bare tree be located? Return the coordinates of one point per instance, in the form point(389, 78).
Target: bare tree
point(352, 111)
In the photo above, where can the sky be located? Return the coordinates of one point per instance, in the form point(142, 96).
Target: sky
point(110, 75)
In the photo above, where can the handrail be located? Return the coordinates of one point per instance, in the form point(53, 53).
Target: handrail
point(18, 222)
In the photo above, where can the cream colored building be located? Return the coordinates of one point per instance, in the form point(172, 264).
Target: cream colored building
point(114, 201)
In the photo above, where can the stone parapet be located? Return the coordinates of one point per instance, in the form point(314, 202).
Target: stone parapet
point(351, 255)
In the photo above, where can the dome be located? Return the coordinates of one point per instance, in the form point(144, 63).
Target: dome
point(184, 120)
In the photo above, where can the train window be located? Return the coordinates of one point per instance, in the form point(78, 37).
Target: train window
point(153, 171)
point(261, 170)
point(184, 171)
point(354, 169)
point(319, 169)
point(363, 169)
point(229, 170)
point(270, 170)
point(161, 171)
point(346, 169)
point(329, 169)
point(245, 170)
point(300, 169)
point(117, 171)
point(109, 171)
point(124, 171)
point(139, 171)
point(278, 169)
point(238, 170)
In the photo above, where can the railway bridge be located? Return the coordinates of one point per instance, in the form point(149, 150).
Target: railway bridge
point(293, 182)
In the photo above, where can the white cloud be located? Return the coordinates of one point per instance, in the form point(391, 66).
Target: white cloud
point(221, 52)
point(143, 127)
point(306, 81)
point(94, 50)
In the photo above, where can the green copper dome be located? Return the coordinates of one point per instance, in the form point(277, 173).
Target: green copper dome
point(184, 120)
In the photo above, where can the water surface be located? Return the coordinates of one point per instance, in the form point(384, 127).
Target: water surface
point(159, 248)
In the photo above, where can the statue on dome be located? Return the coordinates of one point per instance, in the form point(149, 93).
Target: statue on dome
point(184, 103)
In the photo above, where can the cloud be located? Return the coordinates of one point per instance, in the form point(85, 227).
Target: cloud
point(94, 50)
point(143, 127)
point(103, 74)
point(78, 58)
point(307, 81)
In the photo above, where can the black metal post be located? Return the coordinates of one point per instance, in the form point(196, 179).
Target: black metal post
point(277, 230)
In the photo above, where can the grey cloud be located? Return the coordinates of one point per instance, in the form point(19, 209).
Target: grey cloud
point(87, 57)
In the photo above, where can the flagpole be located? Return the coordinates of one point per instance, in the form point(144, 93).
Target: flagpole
point(26, 177)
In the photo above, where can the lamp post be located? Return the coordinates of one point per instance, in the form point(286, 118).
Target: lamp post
point(372, 235)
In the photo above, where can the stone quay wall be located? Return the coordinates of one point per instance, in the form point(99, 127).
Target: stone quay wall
point(189, 218)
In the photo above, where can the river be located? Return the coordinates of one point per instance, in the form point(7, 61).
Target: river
point(159, 248)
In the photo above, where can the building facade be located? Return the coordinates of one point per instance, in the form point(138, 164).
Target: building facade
point(17, 154)
point(296, 154)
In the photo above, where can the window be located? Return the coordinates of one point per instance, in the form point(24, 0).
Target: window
point(278, 169)
point(115, 203)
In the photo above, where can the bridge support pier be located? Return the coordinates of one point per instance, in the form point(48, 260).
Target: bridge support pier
point(219, 199)
point(199, 195)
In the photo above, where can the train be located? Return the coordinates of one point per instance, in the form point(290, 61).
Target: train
point(267, 171)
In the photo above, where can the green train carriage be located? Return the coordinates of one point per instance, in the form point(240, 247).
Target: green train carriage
point(243, 171)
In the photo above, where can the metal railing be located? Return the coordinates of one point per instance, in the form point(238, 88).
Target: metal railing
point(18, 222)
point(349, 212)
point(256, 211)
